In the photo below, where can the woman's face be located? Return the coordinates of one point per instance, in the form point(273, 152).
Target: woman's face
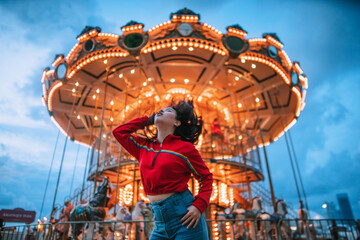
point(167, 116)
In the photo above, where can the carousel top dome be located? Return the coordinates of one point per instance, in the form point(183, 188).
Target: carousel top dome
point(249, 85)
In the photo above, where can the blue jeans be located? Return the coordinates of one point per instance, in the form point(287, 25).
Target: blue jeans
point(167, 215)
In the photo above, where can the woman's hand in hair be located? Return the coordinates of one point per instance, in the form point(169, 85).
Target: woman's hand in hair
point(192, 217)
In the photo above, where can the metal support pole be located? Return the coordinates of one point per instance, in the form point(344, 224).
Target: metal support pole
point(101, 125)
point(63, 154)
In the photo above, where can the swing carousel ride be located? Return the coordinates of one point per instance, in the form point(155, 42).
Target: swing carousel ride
point(247, 88)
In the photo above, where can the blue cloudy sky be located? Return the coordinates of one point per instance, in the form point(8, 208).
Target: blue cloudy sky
point(322, 35)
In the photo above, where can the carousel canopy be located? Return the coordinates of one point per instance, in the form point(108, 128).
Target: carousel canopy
point(248, 84)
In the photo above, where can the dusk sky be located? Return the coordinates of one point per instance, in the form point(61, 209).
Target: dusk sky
point(322, 35)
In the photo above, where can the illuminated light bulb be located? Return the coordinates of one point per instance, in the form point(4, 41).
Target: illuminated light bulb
point(253, 65)
point(144, 84)
point(186, 80)
point(105, 61)
point(191, 49)
point(95, 117)
point(257, 99)
point(237, 78)
point(77, 84)
point(239, 105)
point(78, 116)
point(210, 82)
point(121, 75)
point(94, 96)
point(229, 70)
point(73, 90)
point(172, 80)
point(139, 101)
point(112, 102)
point(215, 103)
point(132, 71)
point(199, 99)
point(149, 79)
point(97, 90)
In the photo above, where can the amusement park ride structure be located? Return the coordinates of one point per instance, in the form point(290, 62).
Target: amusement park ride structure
point(249, 86)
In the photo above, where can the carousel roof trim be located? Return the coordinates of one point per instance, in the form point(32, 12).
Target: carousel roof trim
point(185, 14)
point(89, 30)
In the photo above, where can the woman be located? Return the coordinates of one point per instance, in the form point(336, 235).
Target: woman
point(166, 165)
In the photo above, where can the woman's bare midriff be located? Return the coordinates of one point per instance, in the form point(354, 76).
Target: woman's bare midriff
point(156, 198)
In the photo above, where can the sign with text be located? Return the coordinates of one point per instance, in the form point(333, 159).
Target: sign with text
point(17, 215)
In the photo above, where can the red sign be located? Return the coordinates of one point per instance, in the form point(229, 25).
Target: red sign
point(17, 215)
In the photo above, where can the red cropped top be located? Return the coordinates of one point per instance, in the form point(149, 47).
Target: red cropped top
point(168, 167)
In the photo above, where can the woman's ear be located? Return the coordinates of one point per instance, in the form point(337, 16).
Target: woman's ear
point(177, 123)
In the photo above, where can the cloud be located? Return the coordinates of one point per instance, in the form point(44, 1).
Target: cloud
point(20, 59)
point(7, 198)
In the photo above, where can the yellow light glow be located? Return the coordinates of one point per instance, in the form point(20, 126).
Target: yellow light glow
point(98, 90)
point(51, 92)
point(214, 193)
point(239, 105)
point(231, 193)
point(223, 194)
point(105, 53)
point(112, 102)
point(191, 49)
point(144, 84)
point(237, 78)
point(257, 99)
point(78, 116)
point(253, 65)
point(95, 117)
point(172, 80)
point(121, 75)
point(274, 42)
point(128, 194)
point(243, 60)
point(105, 61)
point(94, 96)
point(186, 80)
point(298, 104)
point(73, 90)
point(111, 119)
point(132, 71)
point(290, 125)
point(304, 80)
point(240, 137)
point(77, 84)
point(297, 68)
point(271, 63)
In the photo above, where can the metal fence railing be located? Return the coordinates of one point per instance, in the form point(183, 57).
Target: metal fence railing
point(219, 229)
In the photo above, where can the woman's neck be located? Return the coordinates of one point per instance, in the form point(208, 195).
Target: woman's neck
point(163, 133)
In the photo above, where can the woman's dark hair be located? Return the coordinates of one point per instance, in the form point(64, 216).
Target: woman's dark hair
point(191, 125)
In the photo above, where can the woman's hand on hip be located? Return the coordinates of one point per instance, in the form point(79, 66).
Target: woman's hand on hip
point(192, 217)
